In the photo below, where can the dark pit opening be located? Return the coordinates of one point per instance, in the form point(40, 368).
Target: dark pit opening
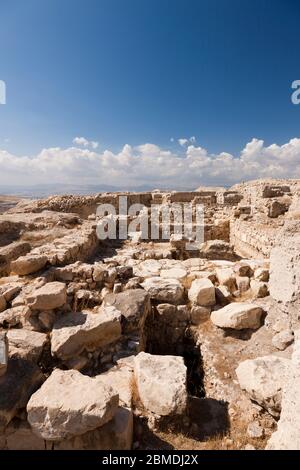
point(165, 336)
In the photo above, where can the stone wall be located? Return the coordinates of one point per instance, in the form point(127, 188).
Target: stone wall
point(251, 240)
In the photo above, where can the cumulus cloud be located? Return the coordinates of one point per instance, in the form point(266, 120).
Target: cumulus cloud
point(82, 141)
point(149, 164)
point(183, 142)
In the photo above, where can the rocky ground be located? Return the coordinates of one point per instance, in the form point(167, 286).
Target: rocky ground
point(142, 344)
point(7, 202)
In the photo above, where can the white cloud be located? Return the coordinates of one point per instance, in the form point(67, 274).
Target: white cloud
point(148, 164)
point(184, 141)
point(82, 141)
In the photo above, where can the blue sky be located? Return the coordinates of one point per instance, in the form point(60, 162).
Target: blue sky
point(144, 71)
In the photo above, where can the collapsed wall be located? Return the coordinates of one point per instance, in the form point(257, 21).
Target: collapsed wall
point(102, 344)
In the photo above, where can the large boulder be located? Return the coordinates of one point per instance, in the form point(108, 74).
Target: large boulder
point(70, 404)
point(134, 305)
point(164, 290)
point(161, 383)
point(21, 379)
point(26, 344)
point(15, 316)
point(28, 264)
point(75, 332)
point(202, 292)
point(52, 295)
point(117, 434)
point(263, 379)
point(238, 316)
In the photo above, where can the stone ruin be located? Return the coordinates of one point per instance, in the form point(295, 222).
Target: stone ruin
point(138, 344)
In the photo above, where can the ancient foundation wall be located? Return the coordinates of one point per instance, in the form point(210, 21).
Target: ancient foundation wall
point(251, 240)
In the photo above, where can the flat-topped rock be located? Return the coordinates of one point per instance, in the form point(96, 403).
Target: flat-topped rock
point(15, 316)
point(161, 383)
point(164, 290)
point(238, 316)
point(202, 292)
point(134, 305)
point(75, 332)
point(28, 264)
point(26, 344)
point(49, 297)
point(70, 404)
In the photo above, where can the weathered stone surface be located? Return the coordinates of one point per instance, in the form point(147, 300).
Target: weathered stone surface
point(117, 434)
point(22, 378)
point(2, 303)
point(161, 383)
point(259, 288)
point(226, 278)
point(238, 316)
point(15, 316)
point(3, 353)
point(26, 344)
point(148, 268)
point(120, 379)
point(243, 283)
point(202, 292)
point(217, 249)
point(75, 332)
point(99, 272)
point(19, 436)
point(174, 273)
point(287, 436)
point(284, 284)
point(52, 295)
point(164, 290)
point(11, 252)
point(261, 274)
point(28, 264)
point(243, 269)
point(223, 295)
point(70, 404)
point(283, 339)
point(255, 431)
point(263, 379)
point(9, 291)
point(134, 305)
point(199, 314)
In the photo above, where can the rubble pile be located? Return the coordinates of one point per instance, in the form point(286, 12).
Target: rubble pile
point(104, 344)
